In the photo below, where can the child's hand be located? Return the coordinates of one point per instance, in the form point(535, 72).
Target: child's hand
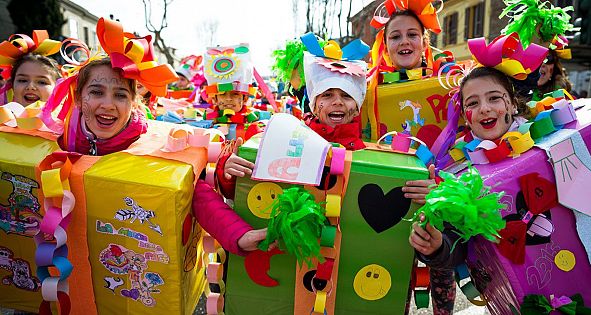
point(237, 166)
point(418, 189)
point(425, 241)
point(251, 239)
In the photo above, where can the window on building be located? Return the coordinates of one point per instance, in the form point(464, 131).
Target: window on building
point(73, 26)
point(474, 21)
point(450, 33)
point(86, 39)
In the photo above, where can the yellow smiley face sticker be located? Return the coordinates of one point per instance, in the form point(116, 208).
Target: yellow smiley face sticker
point(261, 197)
point(372, 282)
point(565, 260)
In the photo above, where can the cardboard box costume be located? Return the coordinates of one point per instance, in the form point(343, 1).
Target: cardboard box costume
point(556, 258)
point(144, 246)
point(371, 241)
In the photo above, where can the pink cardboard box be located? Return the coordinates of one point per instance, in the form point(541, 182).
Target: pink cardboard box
point(556, 262)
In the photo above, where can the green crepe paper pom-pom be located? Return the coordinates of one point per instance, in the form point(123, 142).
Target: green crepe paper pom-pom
point(526, 15)
point(286, 60)
point(296, 222)
point(465, 203)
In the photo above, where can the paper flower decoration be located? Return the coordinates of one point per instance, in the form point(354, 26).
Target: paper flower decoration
point(424, 10)
point(134, 56)
point(505, 53)
point(334, 58)
point(222, 66)
point(342, 67)
point(296, 222)
point(526, 15)
point(18, 45)
point(228, 69)
point(465, 203)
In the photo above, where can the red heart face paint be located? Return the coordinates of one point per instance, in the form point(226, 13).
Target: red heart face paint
point(469, 115)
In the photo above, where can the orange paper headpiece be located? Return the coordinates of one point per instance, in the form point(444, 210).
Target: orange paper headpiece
point(424, 10)
point(134, 56)
point(18, 45)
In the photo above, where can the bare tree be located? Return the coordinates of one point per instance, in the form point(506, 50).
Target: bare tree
point(294, 11)
point(157, 30)
point(322, 15)
point(208, 31)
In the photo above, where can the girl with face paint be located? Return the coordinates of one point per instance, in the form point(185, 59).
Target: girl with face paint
point(489, 104)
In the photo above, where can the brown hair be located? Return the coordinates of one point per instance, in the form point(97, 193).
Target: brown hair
point(49, 64)
point(84, 76)
point(500, 78)
point(558, 77)
point(410, 13)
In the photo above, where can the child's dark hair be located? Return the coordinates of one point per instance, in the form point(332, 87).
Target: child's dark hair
point(500, 78)
point(406, 13)
point(48, 63)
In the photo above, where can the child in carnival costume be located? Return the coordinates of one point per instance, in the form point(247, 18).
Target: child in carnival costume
point(228, 71)
point(31, 75)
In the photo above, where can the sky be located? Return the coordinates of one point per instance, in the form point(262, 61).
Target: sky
point(264, 24)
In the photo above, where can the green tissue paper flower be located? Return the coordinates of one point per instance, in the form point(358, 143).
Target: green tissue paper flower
point(296, 222)
point(465, 203)
point(526, 15)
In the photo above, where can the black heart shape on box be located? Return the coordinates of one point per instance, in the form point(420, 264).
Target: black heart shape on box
point(381, 211)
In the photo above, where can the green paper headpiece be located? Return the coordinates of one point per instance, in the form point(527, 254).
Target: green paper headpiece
point(465, 203)
point(296, 222)
point(526, 15)
point(290, 58)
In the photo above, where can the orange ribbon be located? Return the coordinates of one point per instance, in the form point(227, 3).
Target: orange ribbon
point(134, 56)
point(422, 8)
point(18, 45)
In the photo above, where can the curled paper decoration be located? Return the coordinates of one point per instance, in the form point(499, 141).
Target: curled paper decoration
point(18, 45)
point(296, 222)
point(16, 115)
point(355, 50)
point(134, 56)
point(506, 54)
point(558, 44)
point(527, 15)
point(465, 203)
point(424, 10)
point(77, 55)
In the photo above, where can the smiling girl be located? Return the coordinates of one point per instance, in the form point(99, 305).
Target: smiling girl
point(490, 105)
point(33, 78)
point(111, 116)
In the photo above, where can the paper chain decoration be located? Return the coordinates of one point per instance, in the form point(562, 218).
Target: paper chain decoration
point(213, 260)
point(556, 112)
point(18, 45)
point(402, 143)
point(506, 54)
point(59, 203)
